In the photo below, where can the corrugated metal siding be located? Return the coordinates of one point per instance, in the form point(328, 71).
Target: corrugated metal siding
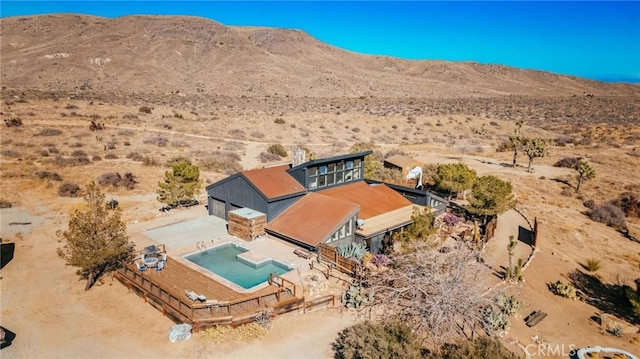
point(238, 192)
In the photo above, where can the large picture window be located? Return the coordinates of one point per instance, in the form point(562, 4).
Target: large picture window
point(334, 173)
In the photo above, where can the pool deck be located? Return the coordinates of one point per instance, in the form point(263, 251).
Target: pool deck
point(190, 236)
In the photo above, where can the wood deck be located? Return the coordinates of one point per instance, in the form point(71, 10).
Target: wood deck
point(166, 290)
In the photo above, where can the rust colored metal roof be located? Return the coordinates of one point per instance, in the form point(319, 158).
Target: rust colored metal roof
point(274, 182)
point(374, 199)
point(384, 222)
point(313, 218)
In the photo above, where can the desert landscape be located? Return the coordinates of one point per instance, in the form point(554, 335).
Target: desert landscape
point(83, 96)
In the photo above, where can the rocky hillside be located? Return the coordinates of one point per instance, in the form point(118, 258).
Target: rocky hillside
point(156, 55)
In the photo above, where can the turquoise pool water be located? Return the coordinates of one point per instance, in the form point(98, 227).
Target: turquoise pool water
point(224, 261)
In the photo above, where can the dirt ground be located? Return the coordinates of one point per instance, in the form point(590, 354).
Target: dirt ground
point(44, 303)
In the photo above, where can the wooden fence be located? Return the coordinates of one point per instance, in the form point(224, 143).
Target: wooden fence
point(490, 229)
point(329, 256)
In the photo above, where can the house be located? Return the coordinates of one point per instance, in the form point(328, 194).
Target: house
point(319, 201)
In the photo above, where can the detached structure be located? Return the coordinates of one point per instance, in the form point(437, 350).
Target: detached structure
point(319, 201)
point(402, 163)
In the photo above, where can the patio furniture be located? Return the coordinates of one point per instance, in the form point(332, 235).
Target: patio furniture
point(141, 268)
point(152, 249)
point(150, 261)
point(160, 265)
point(193, 296)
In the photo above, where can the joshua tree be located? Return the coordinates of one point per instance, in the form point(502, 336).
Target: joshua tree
point(585, 172)
point(533, 148)
point(510, 247)
point(516, 141)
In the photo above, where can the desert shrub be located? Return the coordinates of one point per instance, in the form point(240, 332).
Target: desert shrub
point(44, 153)
point(179, 143)
point(111, 156)
point(568, 162)
point(69, 189)
point(96, 158)
point(508, 304)
point(160, 141)
point(589, 203)
point(111, 145)
point(48, 175)
point(5, 204)
point(564, 140)
point(566, 192)
point(76, 145)
point(592, 264)
point(78, 153)
point(279, 121)
point(496, 320)
point(145, 109)
point(629, 203)
point(268, 157)
point(608, 214)
point(377, 340)
point(49, 132)
point(71, 161)
point(71, 107)
point(130, 116)
point(355, 129)
point(150, 161)
point(135, 156)
point(237, 133)
point(114, 179)
point(563, 290)
point(482, 347)
point(226, 162)
point(504, 146)
point(277, 149)
point(354, 296)
point(233, 146)
point(257, 134)
point(53, 150)
point(10, 153)
point(14, 122)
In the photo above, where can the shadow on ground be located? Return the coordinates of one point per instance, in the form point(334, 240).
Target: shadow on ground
point(609, 298)
point(6, 253)
point(9, 336)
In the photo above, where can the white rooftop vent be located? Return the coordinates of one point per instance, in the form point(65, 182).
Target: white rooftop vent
point(359, 223)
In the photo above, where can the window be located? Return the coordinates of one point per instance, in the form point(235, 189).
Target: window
point(323, 170)
point(339, 177)
point(342, 231)
point(313, 171)
point(331, 179)
point(313, 182)
point(350, 226)
point(322, 181)
point(349, 165)
point(356, 163)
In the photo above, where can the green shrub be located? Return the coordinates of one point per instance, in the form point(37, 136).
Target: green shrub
point(353, 250)
point(354, 296)
point(563, 290)
point(369, 340)
point(508, 304)
point(277, 149)
point(496, 319)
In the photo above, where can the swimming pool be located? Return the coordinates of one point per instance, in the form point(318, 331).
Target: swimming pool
point(225, 261)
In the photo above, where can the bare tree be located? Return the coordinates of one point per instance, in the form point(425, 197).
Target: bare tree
point(438, 294)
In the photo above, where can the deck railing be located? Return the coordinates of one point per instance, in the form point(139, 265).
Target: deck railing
point(210, 313)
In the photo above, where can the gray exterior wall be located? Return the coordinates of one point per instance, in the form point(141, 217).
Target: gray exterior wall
point(238, 192)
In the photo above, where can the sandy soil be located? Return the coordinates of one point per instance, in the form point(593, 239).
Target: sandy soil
point(45, 305)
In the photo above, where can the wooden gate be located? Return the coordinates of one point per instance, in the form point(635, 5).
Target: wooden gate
point(329, 255)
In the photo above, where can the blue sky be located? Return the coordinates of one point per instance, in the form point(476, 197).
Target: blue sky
point(598, 40)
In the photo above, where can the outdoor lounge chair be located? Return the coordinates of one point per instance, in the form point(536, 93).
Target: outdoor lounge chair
point(193, 296)
point(141, 267)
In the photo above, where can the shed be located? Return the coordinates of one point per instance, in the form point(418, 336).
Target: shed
point(402, 163)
